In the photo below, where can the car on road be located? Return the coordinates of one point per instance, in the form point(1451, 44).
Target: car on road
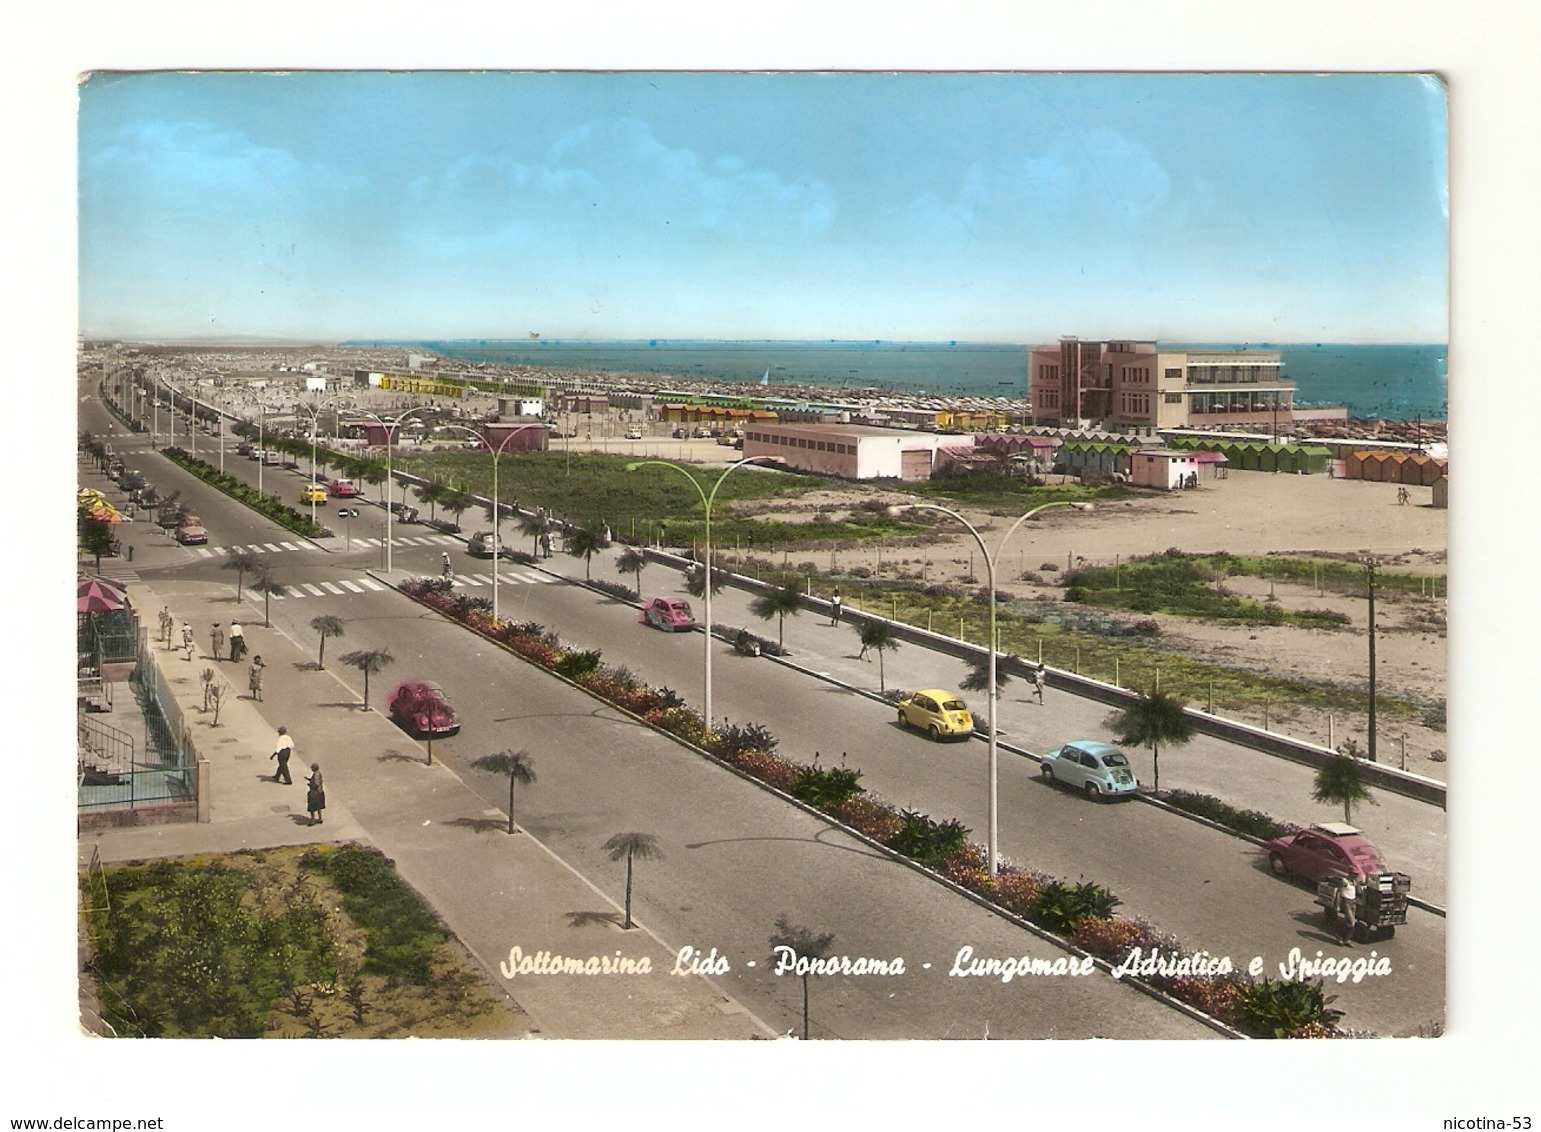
point(939, 713)
point(669, 614)
point(1100, 769)
point(342, 489)
point(312, 493)
point(634, 433)
point(1327, 849)
point(480, 546)
point(190, 531)
point(420, 708)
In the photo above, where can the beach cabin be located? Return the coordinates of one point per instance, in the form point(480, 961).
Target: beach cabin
point(1165, 469)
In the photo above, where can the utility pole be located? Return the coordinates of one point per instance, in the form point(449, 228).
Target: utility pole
point(1369, 568)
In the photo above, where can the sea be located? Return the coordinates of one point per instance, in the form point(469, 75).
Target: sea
point(1400, 382)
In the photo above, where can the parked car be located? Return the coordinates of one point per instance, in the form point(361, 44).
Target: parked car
point(1331, 848)
point(669, 614)
point(312, 493)
point(937, 712)
point(190, 531)
point(679, 434)
point(419, 708)
point(1100, 769)
point(254, 453)
point(272, 457)
point(634, 433)
point(341, 489)
point(480, 545)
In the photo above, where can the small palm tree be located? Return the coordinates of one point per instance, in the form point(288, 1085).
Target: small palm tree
point(778, 603)
point(535, 524)
point(585, 542)
point(243, 562)
point(517, 765)
point(1339, 781)
point(327, 626)
point(368, 661)
point(979, 673)
point(695, 579)
point(456, 502)
point(431, 493)
point(266, 585)
point(631, 561)
point(629, 845)
point(804, 944)
point(878, 636)
point(1151, 721)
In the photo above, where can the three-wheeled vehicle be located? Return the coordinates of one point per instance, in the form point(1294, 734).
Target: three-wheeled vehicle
point(1380, 904)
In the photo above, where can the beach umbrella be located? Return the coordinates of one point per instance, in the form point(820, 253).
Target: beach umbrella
point(93, 595)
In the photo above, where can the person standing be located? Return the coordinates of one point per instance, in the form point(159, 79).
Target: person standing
point(1346, 905)
point(237, 641)
point(282, 753)
point(217, 641)
point(1038, 682)
point(315, 794)
point(187, 638)
point(254, 678)
point(834, 608)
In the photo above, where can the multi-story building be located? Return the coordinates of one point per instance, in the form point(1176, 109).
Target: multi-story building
point(1128, 386)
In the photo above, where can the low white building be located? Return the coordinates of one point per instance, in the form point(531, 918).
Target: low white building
point(856, 452)
point(1164, 468)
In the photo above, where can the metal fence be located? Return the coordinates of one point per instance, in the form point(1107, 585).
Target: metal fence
point(165, 771)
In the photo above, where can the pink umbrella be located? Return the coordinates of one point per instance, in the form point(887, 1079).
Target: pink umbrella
point(93, 595)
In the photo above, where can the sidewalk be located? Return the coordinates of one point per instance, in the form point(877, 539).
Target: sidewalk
point(493, 890)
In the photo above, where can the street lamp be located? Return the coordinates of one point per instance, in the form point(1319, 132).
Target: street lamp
point(390, 431)
point(497, 454)
point(706, 503)
point(314, 428)
point(990, 562)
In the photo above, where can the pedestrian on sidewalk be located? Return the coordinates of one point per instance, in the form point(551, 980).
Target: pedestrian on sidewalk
point(1038, 682)
point(834, 608)
point(187, 638)
point(254, 678)
point(315, 794)
point(237, 641)
point(217, 641)
point(285, 749)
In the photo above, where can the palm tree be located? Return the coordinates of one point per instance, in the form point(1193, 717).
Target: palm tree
point(1153, 720)
point(431, 493)
point(629, 845)
point(585, 542)
point(374, 475)
point(631, 561)
point(243, 562)
point(327, 626)
point(878, 636)
point(368, 661)
point(979, 673)
point(265, 584)
point(804, 944)
point(535, 524)
point(695, 584)
point(456, 501)
point(1339, 781)
point(778, 603)
point(517, 765)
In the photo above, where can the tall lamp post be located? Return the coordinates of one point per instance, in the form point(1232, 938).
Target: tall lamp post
point(497, 454)
point(990, 563)
point(390, 432)
point(1369, 571)
point(706, 503)
point(315, 415)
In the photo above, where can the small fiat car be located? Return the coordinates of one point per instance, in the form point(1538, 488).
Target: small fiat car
point(669, 614)
point(342, 489)
point(1100, 769)
point(419, 708)
point(312, 493)
point(938, 713)
point(1331, 848)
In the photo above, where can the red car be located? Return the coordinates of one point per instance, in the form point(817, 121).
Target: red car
point(419, 708)
point(669, 614)
point(342, 489)
point(1329, 849)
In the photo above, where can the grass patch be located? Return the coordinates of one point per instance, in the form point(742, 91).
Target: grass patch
point(1183, 587)
point(253, 944)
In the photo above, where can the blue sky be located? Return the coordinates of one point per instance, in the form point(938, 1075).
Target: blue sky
point(981, 207)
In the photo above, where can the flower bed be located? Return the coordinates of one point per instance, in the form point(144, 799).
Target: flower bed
point(243, 492)
point(1081, 914)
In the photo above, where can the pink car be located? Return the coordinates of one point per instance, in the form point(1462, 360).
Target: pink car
point(419, 708)
point(669, 614)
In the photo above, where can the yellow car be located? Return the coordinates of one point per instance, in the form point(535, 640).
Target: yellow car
point(936, 712)
point(312, 493)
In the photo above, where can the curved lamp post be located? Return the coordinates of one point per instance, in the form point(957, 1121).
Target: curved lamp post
point(497, 454)
point(990, 561)
point(390, 431)
point(315, 415)
point(706, 503)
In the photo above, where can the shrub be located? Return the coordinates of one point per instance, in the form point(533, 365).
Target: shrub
point(1108, 939)
point(1061, 907)
point(1220, 997)
point(870, 818)
point(1078, 593)
point(770, 769)
point(926, 841)
point(750, 737)
point(826, 789)
point(1274, 1008)
point(576, 665)
point(1017, 892)
point(615, 589)
point(1251, 822)
point(1149, 627)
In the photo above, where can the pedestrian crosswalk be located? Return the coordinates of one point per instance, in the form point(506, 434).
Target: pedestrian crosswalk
point(342, 587)
point(278, 547)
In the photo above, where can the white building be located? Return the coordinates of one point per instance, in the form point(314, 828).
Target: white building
point(856, 452)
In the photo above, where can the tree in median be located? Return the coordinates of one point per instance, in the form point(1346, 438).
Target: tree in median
point(368, 661)
point(431, 493)
point(1152, 720)
point(456, 502)
point(519, 767)
point(978, 678)
point(878, 636)
point(326, 626)
point(695, 579)
point(802, 944)
point(243, 562)
point(629, 845)
point(631, 561)
point(585, 542)
point(778, 603)
point(536, 525)
point(1339, 781)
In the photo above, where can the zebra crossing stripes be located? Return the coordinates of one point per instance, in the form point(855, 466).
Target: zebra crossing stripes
point(255, 548)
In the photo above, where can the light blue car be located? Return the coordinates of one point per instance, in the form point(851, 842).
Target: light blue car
point(1100, 769)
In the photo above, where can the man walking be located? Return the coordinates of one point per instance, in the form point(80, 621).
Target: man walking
point(237, 641)
point(1038, 682)
point(187, 638)
point(285, 749)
